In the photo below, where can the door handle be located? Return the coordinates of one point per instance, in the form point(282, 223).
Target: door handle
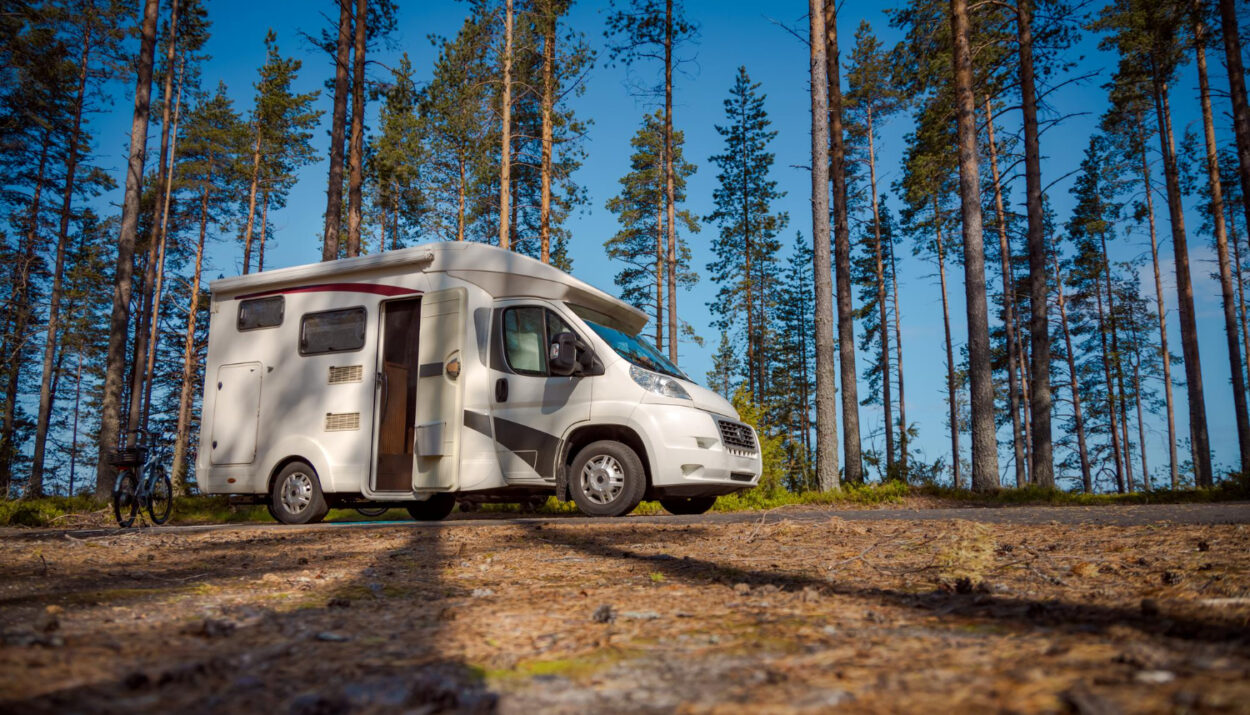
point(501, 390)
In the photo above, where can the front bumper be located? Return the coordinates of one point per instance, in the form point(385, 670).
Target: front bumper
point(692, 454)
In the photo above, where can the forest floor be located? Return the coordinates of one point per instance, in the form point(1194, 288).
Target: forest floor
point(791, 610)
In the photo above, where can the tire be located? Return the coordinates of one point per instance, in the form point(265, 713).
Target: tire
point(607, 479)
point(371, 510)
point(161, 500)
point(296, 497)
point(436, 508)
point(126, 497)
point(687, 505)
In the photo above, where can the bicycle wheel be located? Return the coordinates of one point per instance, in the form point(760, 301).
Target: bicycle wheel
point(125, 497)
point(161, 497)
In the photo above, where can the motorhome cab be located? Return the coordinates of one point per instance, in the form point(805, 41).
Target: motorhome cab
point(446, 371)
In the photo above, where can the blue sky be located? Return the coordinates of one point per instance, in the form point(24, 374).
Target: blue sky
point(731, 34)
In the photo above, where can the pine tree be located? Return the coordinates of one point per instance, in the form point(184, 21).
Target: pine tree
point(640, 210)
point(396, 158)
point(747, 245)
point(792, 384)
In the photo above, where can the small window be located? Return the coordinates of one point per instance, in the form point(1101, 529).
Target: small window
point(525, 341)
point(333, 331)
point(261, 313)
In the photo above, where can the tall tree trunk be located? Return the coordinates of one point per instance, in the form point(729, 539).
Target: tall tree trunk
point(338, 129)
point(154, 325)
point(1165, 353)
point(661, 260)
point(1241, 109)
point(115, 366)
point(461, 189)
point(1221, 242)
point(356, 152)
point(1103, 330)
point(1241, 292)
point(981, 393)
point(73, 445)
point(1009, 303)
point(505, 141)
point(670, 182)
point(52, 333)
point(548, 101)
point(21, 315)
point(882, 317)
point(1200, 445)
point(951, 397)
point(1042, 468)
point(842, 256)
point(822, 281)
point(1117, 360)
point(253, 189)
point(264, 230)
point(898, 348)
point(754, 367)
point(1141, 423)
point(178, 469)
point(1087, 479)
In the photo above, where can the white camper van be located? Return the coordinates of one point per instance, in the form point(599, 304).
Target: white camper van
point(450, 371)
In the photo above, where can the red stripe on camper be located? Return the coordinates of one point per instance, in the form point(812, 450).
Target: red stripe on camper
point(376, 289)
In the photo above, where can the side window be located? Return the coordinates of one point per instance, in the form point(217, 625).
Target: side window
point(524, 341)
point(261, 313)
point(556, 325)
point(332, 331)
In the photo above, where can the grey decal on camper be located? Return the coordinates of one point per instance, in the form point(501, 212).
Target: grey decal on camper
point(477, 422)
point(430, 369)
point(517, 437)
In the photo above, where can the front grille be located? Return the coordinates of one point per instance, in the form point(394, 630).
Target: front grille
point(736, 434)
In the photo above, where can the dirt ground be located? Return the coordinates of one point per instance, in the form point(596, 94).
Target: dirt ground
point(775, 613)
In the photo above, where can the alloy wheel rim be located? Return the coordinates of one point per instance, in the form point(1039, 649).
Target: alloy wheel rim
point(297, 492)
point(603, 479)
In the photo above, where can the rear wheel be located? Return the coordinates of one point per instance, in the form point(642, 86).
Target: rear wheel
point(687, 505)
point(161, 500)
point(607, 479)
point(125, 497)
point(296, 496)
point(436, 508)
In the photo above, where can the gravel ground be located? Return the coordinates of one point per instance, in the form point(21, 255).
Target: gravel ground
point(1093, 610)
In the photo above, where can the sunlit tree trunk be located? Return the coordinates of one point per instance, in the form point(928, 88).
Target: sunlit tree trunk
point(549, 91)
point(882, 318)
point(1087, 480)
point(826, 411)
point(338, 126)
point(951, 396)
point(898, 347)
point(505, 132)
point(182, 440)
point(670, 182)
point(356, 152)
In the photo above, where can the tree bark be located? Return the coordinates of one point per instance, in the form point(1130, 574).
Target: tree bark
point(670, 182)
point(661, 259)
point(505, 142)
point(115, 366)
point(253, 188)
point(1165, 354)
point(1241, 292)
point(981, 394)
point(842, 257)
point(178, 469)
point(338, 126)
point(52, 333)
point(548, 101)
point(264, 229)
point(1116, 359)
point(1087, 480)
point(356, 152)
point(1042, 467)
point(822, 281)
point(1009, 304)
point(1141, 423)
point(1221, 243)
point(1241, 109)
point(1200, 445)
point(1103, 329)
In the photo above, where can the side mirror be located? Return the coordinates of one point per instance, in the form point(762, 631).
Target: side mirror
point(562, 358)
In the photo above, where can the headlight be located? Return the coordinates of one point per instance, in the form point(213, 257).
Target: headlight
point(657, 383)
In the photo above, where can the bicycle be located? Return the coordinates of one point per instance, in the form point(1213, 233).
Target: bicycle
point(141, 483)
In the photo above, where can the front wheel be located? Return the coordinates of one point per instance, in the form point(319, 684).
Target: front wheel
point(436, 508)
point(296, 496)
point(687, 505)
point(161, 500)
point(607, 479)
point(126, 498)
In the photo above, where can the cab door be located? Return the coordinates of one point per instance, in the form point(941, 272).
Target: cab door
point(531, 409)
point(440, 389)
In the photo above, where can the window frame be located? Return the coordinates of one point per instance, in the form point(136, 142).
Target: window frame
point(364, 339)
point(548, 312)
point(238, 316)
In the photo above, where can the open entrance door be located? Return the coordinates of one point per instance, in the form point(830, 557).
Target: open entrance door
point(441, 389)
point(397, 395)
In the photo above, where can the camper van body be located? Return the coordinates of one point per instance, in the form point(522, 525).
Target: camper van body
point(424, 372)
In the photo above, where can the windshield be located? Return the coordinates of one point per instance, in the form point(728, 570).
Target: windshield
point(639, 352)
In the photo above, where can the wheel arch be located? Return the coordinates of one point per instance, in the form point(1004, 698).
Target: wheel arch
point(586, 434)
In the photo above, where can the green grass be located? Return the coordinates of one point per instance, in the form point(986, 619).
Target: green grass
point(86, 511)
